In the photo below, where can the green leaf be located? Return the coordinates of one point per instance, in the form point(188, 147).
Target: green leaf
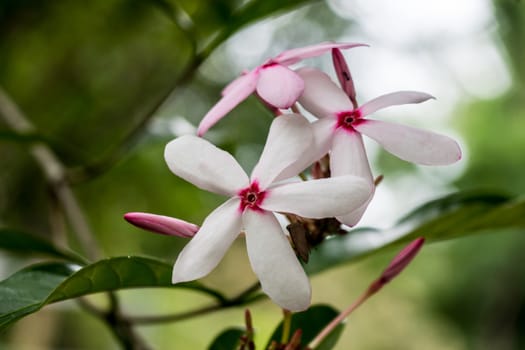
point(32, 288)
point(453, 216)
point(24, 243)
point(311, 322)
point(227, 340)
point(256, 10)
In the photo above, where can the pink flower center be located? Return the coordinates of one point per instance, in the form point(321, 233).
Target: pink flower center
point(348, 119)
point(251, 197)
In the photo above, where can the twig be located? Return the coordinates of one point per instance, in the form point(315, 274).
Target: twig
point(239, 300)
point(55, 174)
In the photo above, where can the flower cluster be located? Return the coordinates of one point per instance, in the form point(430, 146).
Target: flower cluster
point(293, 144)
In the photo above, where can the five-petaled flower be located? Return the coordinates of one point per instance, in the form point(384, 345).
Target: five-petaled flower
point(252, 203)
point(273, 81)
point(341, 124)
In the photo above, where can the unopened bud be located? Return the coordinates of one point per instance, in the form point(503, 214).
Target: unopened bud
point(398, 264)
point(344, 76)
point(162, 224)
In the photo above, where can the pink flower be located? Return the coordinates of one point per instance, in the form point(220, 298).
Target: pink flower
point(273, 81)
point(342, 122)
point(253, 200)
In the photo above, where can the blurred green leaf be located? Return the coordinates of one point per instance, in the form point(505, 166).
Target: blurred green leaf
point(32, 288)
point(255, 10)
point(228, 339)
point(311, 322)
point(453, 216)
point(28, 244)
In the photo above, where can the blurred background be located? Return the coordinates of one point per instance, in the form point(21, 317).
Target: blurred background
point(90, 77)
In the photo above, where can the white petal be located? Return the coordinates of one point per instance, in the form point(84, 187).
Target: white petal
point(392, 99)
point(351, 219)
point(242, 88)
point(295, 55)
point(204, 165)
point(411, 144)
point(321, 96)
point(323, 130)
point(273, 261)
point(319, 198)
point(210, 243)
point(289, 137)
point(279, 86)
point(348, 156)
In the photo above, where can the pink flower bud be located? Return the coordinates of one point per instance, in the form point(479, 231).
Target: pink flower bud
point(398, 264)
point(162, 224)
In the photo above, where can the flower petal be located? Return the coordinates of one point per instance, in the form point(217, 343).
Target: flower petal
point(322, 130)
point(348, 157)
point(351, 219)
point(411, 144)
point(239, 81)
point(321, 96)
point(279, 86)
point(295, 55)
point(244, 87)
point(392, 99)
point(206, 249)
point(319, 198)
point(289, 137)
point(204, 165)
point(162, 224)
point(274, 262)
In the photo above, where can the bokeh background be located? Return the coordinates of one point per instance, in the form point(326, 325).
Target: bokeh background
point(90, 74)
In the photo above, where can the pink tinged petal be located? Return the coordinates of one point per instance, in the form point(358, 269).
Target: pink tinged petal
point(279, 86)
point(274, 262)
point(204, 165)
point(321, 96)
point(289, 137)
point(343, 74)
point(348, 157)
point(319, 198)
point(236, 93)
point(202, 254)
point(411, 144)
point(295, 55)
point(239, 81)
point(323, 130)
point(393, 99)
point(162, 224)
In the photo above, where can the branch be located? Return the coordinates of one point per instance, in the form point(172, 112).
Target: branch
point(55, 174)
point(241, 299)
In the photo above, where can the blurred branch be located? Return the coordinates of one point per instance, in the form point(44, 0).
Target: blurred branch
point(185, 24)
point(242, 299)
point(121, 326)
point(55, 174)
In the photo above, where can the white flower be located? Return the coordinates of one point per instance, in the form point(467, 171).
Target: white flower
point(251, 206)
point(341, 124)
